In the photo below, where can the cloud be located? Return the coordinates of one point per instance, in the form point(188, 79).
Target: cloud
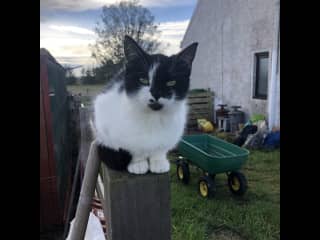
point(66, 40)
point(167, 3)
point(72, 29)
point(177, 28)
point(70, 44)
point(80, 5)
point(73, 5)
point(172, 34)
point(67, 47)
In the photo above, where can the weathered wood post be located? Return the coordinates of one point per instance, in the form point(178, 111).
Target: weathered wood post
point(137, 207)
point(88, 152)
point(86, 194)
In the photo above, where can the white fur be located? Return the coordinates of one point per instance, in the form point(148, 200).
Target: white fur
point(128, 123)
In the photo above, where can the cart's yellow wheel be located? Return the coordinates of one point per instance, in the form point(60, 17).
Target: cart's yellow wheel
point(180, 172)
point(183, 173)
point(207, 187)
point(237, 183)
point(203, 188)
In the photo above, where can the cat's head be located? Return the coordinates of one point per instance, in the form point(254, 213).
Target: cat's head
point(157, 81)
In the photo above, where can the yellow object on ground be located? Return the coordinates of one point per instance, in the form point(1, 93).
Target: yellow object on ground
point(205, 125)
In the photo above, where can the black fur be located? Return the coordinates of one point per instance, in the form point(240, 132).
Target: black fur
point(116, 160)
point(174, 68)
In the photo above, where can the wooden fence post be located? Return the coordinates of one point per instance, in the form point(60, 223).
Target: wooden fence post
point(137, 207)
point(87, 191)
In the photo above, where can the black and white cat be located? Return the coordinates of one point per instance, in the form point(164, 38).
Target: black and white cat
point(142, 113)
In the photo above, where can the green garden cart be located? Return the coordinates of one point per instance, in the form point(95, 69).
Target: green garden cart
point(213, 156)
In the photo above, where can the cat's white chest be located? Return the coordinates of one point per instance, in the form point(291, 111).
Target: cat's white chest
point(120, 125)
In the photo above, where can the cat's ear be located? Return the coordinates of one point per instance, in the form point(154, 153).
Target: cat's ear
point(187, 55)
point(133, 51)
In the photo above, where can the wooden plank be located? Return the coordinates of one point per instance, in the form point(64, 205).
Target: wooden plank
point(198, 100)
point(206, 95)
point(202, 112)
point(73, 191)
point(87, 192)
point(49, 202)
point(198, 116)
point(199, 106)
point(50, 209)
point(137, 206)
point(44, 165)
point(199, 94)
point(192, 122)
point(199, 111)
point(44, 85)
point(87, 152)
point(86, 137)
point(211, 109)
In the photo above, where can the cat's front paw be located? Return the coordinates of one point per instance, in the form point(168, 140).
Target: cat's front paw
point(159, 166)
point(140, 167)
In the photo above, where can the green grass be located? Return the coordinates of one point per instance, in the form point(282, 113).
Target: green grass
point(256, 215)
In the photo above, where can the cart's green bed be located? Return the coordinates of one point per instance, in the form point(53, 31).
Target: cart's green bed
point(212, 154)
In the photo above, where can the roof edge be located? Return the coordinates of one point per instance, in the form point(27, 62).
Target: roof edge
point(191, 20)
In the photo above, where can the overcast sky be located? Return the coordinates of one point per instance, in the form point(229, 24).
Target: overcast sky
point(66, 26)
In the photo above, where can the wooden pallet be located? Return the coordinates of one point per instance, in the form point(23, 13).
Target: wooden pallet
point(200, 106)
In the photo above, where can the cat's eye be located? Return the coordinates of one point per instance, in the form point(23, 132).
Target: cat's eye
point(144, 81)
point(171, 83)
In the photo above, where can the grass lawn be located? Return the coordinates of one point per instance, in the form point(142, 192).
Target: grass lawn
point(254, 216)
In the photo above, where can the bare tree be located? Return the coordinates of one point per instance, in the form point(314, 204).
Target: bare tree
point(118, 20)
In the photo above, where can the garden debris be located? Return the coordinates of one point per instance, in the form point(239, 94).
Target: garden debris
point(249, 129)
point(272, 140)
point(256, 140)
point(204, 125)
point(94, 230)
point(256, 118)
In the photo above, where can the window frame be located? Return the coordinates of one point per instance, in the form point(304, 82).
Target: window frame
point(257, 57)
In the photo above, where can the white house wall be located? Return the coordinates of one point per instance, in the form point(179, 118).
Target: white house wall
point(229, 32)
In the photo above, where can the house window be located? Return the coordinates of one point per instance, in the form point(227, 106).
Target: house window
point(260, 90)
